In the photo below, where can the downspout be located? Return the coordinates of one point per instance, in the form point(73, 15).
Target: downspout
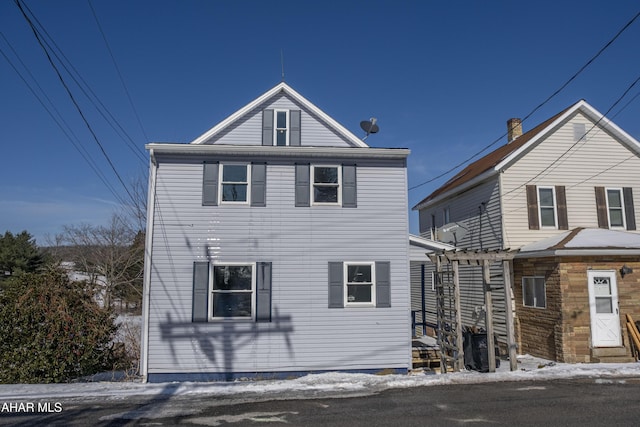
point(151, 200)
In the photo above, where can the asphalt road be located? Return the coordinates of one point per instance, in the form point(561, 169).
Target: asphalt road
point(548, 403)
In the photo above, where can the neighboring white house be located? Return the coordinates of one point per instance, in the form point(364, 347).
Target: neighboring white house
point(277, 245)
point(576, 171)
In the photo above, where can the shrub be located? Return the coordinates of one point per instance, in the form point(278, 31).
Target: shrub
point(51, 330)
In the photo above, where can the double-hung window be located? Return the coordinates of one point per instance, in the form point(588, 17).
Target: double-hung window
point(281, 128)
point(234, 183)
point(533, 292)
point(359, 284)
point(326, 185)
point(615, 208)
point(547, 206)
point(232, 291)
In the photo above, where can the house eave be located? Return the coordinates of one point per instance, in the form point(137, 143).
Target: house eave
point(590, 112)
point(429, 244)
point(281, 87)
point(456, 190)
point(273, 151)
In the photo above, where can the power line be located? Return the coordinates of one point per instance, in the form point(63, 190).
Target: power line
point(67, 131)
point(89, 93)
point(73, 100)
point(115, 64)
point(573, 77)
point(582, 139)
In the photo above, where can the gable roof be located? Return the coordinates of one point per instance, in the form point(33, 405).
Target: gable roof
point(276, 90)
point(504, 156)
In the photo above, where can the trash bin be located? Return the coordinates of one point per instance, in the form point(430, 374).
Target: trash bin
point(476, 356)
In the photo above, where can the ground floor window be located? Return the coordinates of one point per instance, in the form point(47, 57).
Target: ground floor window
point(232, 293)
point(359, 283)
point(533, 292)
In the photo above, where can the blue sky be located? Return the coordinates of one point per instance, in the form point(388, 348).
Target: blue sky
point(442, 78)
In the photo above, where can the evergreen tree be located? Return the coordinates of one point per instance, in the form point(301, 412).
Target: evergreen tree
point(19, 254)
point(52, 330)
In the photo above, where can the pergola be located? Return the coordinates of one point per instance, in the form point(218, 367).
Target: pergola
point(449, 316)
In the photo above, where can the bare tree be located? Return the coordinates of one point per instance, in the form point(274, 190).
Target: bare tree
point(111, 256)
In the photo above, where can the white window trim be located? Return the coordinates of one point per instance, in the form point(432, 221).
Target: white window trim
point(555, 207)
point(339, 186)
point(624, 219)
point(221, 184)
point(544, 287)
point(253, 291)
point(345, 266)
point(276, 128)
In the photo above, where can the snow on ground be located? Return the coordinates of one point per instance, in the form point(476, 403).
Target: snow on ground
point(529, 368)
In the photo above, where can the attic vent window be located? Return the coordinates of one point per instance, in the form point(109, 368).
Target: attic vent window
point(281, 128)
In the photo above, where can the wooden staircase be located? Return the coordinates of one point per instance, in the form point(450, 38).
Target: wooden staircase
point(425, 356)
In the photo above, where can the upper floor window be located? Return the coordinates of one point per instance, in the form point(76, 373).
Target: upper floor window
point(615, 207)
point(534, 292)
point(547, 206)
point(281, 128)
point(326, 185)
point(446, 215)
point(234, 183)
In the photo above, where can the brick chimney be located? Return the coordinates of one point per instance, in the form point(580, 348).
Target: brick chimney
point(514, 129)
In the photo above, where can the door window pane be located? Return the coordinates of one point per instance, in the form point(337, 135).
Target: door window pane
point(603, 305)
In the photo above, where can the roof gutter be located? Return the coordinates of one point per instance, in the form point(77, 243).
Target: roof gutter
point(579, 252)
point(272, 151)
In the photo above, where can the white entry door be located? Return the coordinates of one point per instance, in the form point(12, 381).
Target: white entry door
point(603, 303)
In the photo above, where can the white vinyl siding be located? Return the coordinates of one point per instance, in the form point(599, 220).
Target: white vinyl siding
point(304, 335)
point(248, 130)
point(598, 160)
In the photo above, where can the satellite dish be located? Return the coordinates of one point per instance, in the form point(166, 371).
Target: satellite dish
point(369, 126)
point(451, 233)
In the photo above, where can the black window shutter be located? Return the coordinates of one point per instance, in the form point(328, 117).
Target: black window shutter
point(349, 190)
point(629, 211)
point(601, 208)
point(294, 134)
point(263, 292)
point(561, 200)
point(210, 184)
point(267, 127)
point(200, 305)
point(303, 191)
point(336, 285)
point(259, 184)
point(532, 207)
point(383, 284)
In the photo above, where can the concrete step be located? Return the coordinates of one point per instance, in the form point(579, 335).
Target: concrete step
point(611, 355)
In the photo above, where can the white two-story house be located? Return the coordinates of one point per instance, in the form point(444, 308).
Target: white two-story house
point(277, 245)
point(563, 194)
